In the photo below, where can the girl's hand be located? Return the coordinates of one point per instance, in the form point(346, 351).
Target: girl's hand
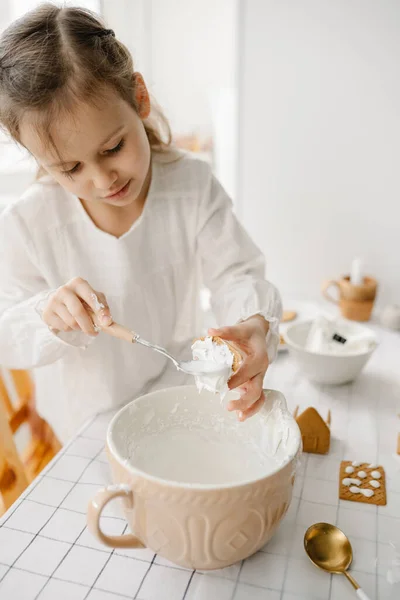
point(67, 308)
point(250, 339)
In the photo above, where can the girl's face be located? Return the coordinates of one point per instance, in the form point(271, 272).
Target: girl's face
point(101, 152)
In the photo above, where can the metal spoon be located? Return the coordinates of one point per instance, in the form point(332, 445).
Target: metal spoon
point(190, 367)
point(330, 550)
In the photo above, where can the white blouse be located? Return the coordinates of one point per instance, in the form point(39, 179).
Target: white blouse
point(186, 237)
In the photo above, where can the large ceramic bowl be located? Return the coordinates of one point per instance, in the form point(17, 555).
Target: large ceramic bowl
point(329, 369)
point(199, 488)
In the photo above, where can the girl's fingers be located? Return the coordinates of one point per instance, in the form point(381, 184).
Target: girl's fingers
point(67, 319)
point(255, 408)
point(78, 312)
point(229, 334)
point(95, 300)
point(250, 393)
point(102, 311)
point(248, 369)
point(57, 324)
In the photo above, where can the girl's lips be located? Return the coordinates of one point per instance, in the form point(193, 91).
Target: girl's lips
point(121, 193)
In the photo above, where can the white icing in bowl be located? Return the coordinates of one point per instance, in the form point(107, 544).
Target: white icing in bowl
point(180, 437)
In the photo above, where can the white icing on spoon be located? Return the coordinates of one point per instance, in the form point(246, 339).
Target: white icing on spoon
point(219, 355)
point(375, 483)
point(204, 367)
point(367, 493)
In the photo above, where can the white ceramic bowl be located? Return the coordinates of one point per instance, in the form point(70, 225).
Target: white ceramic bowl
point(327, 369)
point(178, 460)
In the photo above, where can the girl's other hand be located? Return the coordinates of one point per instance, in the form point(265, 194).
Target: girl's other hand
point(67, 308)
point(250, 338)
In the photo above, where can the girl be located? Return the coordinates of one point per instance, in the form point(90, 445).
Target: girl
point(118, 220)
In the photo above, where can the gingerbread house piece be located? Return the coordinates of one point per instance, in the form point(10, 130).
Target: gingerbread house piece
point(315, 432)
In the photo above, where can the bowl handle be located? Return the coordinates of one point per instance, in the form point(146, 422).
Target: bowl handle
point(95, 508)
point(325, 287)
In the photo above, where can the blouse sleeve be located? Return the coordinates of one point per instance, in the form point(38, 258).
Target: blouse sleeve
point(25, 340)
point(234, 268)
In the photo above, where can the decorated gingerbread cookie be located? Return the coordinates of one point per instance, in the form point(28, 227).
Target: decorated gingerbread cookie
point(362, 482)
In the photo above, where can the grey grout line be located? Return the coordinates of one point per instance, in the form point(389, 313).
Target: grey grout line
point(66, 581)
point(377, 511)
point(342, 458)
point(265, 589)
point(144, 577)
point(105, 551)
point(36, 481)
point(51, 577)
point(57, 506)
point(117, 594)
point(41, 528)
point(93, 439)
point(77, 481)
point(101, 571)
point(295, 381)
point(188, 585)
point(71, 510)
point(61, 561)
point(295, 523)
point(33, 573)
point(6, 516)
point(35, 535)
point(237, 581)
point(112, 593)
point(5, 572)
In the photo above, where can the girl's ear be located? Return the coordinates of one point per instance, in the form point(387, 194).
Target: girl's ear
point(142, 98)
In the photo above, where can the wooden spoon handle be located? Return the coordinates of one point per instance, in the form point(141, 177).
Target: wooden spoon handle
point(121, 332)
point(116, 330)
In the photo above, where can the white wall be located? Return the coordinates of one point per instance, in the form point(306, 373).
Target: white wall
point(320, 138)
point(194, 56)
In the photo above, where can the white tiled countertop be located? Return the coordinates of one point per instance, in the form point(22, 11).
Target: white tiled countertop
point(46, 552)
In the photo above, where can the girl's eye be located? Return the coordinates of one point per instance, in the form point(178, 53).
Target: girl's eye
point(72, 171)
point(116, 148)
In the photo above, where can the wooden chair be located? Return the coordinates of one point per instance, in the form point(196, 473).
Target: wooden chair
point(17, 409)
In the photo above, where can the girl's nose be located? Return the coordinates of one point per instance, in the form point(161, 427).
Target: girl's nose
point(104, 179)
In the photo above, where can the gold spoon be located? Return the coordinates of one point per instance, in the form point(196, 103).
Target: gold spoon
point(330, 550)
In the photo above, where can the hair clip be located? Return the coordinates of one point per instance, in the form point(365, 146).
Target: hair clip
point(101, 33)
point(104, 32)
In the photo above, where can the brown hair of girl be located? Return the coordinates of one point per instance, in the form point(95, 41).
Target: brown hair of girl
point(55, 56)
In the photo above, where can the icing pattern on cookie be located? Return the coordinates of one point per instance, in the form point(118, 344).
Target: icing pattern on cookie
point(375, 483)
point(367, 493)
point(351, 481)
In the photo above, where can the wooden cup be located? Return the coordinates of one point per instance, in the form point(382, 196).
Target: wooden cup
point(355, 301)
